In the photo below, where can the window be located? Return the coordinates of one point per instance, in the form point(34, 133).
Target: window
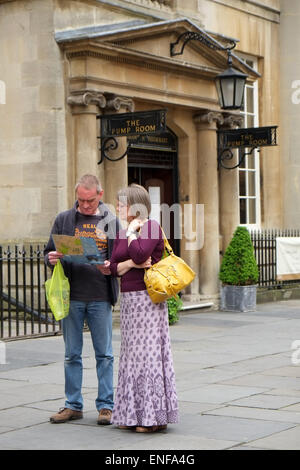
point(249, 189)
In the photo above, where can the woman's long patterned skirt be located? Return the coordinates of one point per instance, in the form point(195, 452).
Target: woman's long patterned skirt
point(146, 393)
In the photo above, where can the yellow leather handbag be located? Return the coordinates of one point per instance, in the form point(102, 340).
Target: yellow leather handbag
point(168, 276)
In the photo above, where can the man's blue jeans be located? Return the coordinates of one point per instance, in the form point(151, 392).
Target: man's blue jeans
point(99, 320)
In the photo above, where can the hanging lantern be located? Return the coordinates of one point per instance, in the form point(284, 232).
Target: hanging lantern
point(230, 87)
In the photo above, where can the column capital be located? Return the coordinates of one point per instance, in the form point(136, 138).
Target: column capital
point(231, 121)
point(208, 119)
point(115, 103)
point(107, 101)
point(86, 98)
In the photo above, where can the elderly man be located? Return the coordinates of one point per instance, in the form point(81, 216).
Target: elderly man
point(92, 293)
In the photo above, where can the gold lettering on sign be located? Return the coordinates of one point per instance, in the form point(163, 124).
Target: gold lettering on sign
point(247, 140)
point(147, 128)
point(121, 131)
point(133, 123)
point(135, 128)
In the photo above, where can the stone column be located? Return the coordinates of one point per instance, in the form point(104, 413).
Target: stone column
point(206, 125)
point(85, 106)
point(116, 172)
point(229, 188)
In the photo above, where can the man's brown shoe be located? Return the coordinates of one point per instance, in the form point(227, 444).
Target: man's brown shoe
point(104, 416)
point(65, 414)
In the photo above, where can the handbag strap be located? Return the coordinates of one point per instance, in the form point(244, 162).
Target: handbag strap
point(167, 245)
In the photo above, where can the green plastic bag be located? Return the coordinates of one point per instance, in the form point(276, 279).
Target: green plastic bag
point(58, 292)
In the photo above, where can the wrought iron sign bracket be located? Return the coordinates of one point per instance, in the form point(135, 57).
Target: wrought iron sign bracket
point(227, 154)
point(202, 37)
point(246, 140)
point(114, 126)
point(111, 143)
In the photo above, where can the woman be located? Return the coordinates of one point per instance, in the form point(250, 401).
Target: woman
point(146, 397)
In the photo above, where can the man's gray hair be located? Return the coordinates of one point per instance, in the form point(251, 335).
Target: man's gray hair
point(88, 182)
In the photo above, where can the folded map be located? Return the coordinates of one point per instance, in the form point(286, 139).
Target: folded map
point(78, 250)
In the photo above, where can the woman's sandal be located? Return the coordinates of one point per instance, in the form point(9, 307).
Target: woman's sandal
point(150, 428)
point(126, 427)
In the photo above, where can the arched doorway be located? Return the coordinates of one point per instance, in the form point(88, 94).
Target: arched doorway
point(152, 162)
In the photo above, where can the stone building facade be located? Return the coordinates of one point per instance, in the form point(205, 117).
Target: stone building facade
point(65, 62)
point(290, 111)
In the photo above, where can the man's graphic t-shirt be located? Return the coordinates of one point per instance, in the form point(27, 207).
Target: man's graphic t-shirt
point(89, 226)
point(88, 283)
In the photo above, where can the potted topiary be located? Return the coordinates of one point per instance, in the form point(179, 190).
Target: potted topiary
point(239, 274)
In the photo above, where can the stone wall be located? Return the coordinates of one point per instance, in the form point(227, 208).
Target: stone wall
point(33, 159)
point(290, 108)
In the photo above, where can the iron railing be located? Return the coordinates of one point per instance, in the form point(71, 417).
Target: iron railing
point(23, 307)
point(264, 243)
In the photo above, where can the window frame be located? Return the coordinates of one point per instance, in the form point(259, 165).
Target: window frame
point(246, 167)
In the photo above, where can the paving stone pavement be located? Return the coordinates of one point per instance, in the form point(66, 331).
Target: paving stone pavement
point(238, 384)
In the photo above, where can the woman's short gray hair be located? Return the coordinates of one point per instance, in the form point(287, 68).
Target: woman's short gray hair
point(138, 200)
point(88, 182)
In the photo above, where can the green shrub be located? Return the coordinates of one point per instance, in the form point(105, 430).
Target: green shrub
point(174, 305)
point(239, 267)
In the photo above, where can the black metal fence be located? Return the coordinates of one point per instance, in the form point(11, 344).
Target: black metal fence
point(264, 243)
point(23, 307)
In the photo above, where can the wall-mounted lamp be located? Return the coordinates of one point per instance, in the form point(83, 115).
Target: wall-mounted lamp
point(230, 83)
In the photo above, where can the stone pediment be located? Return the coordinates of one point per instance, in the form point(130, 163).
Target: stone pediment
point(150, 42)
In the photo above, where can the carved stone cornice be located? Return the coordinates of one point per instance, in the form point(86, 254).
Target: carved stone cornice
point(87, 97)
point(209, 118)
point(115, 103)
